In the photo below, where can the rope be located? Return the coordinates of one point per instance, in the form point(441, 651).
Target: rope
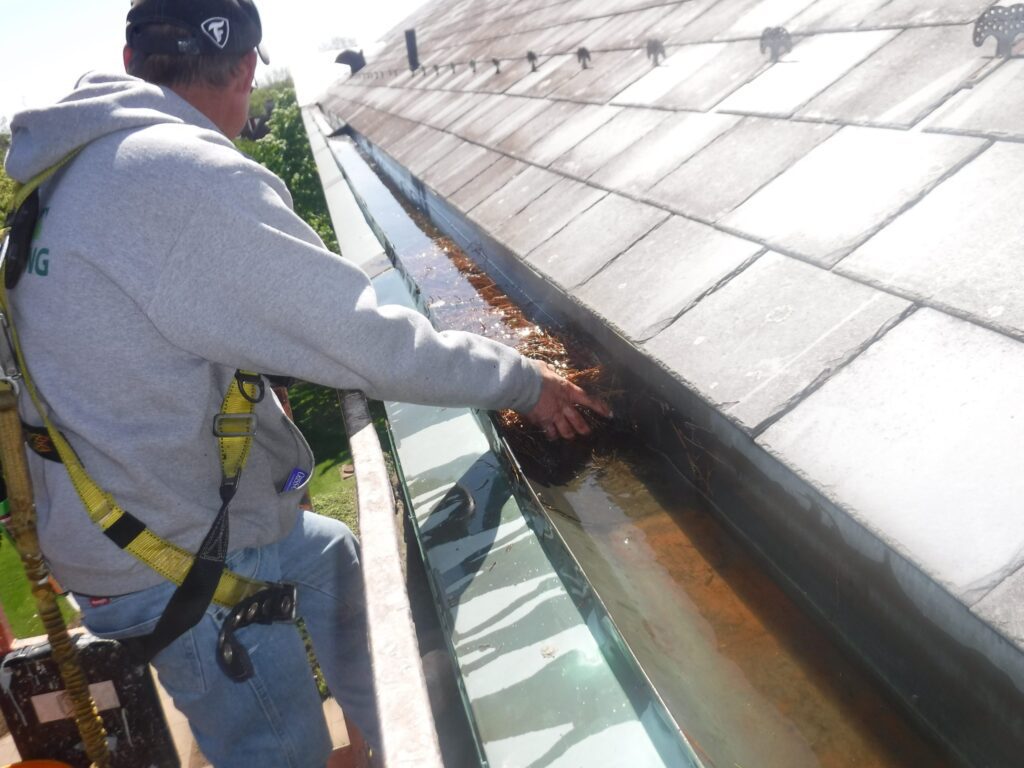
point(23, 529)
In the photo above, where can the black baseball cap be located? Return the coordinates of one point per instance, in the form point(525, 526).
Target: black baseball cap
point(209, 27)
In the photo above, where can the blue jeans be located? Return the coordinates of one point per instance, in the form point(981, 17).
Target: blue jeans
point(275, 718)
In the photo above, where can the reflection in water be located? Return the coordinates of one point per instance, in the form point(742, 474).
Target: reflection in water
point(749, 678)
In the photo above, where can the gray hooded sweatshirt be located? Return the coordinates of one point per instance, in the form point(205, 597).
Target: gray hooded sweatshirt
point(164, 261)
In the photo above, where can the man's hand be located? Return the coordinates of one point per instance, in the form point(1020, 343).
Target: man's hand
point(555, 411)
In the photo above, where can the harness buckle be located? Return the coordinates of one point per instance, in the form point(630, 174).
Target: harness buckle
point(275, 603)
point(12, 381)
point(9, 371)
point(252, 379)
point(234, 424)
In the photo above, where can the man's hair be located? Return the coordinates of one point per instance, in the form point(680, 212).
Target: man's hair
point(182, 69)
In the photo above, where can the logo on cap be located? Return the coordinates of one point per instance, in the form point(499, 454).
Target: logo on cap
point(217, 29)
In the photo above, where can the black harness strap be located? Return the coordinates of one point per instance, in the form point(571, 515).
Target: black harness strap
point(190, 600)
point(38, 441)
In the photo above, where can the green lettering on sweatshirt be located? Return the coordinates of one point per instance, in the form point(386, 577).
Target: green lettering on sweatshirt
point(39, 262)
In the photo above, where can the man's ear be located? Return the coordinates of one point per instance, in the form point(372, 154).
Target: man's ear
point(246, 72)
point(127, 55)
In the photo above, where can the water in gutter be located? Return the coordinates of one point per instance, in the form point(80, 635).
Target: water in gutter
point(546, 679)
point(748, 676)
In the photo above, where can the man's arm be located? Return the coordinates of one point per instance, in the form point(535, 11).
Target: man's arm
point(249, 285)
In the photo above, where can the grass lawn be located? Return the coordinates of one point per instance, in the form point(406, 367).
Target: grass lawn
point(19, 606)
point(318, 414)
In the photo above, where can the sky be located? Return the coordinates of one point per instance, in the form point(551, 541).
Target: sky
point(46, 45)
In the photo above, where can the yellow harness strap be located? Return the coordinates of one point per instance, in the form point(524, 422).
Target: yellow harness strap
point(22, 191)
point(234, 427)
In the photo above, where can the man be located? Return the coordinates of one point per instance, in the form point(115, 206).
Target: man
point(164, 261)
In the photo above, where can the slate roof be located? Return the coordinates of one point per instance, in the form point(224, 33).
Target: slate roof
point(827, 248)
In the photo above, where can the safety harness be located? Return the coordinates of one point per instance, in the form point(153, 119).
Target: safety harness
point(201, 578)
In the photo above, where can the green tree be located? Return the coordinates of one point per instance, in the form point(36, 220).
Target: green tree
point(275, 84)
point(286, 152)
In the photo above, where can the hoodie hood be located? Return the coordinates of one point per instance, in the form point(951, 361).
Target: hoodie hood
point(101, 104)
